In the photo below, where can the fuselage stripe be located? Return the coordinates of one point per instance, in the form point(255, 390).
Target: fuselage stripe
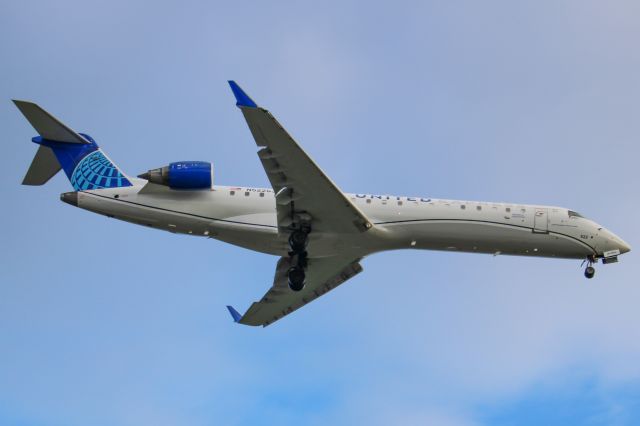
point(482, 221)
point(179, 212)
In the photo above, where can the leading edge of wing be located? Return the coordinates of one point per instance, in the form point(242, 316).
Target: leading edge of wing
point(288, 166)
point(242, 99)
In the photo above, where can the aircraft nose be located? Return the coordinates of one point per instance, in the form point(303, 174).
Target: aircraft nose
point(624, 247)
point(616, 242)
point(611, 241)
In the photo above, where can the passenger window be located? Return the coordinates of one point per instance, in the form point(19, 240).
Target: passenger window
point(478, 208)
point(508, 209)
point(262, 194)
point(246, 194)
point(368, 200)
point(232, 192)
point(463, 207)
point(399, 203)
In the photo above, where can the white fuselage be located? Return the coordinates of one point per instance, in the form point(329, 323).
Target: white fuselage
point(247, 217)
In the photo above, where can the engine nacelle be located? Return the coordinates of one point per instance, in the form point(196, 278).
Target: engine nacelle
point(182, 175)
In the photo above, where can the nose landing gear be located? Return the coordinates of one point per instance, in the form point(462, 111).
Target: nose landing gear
point(590, 271)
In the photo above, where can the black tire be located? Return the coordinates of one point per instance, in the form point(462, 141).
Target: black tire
point(296, 277)
point(589, 272)
point(298, 241)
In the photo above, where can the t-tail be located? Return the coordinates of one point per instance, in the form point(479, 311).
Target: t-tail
point(84, 163)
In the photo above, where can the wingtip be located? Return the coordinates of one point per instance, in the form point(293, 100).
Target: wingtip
point(234, 314)
point(18, 102)
point(242, 99)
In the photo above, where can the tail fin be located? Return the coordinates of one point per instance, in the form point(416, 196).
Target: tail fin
point(83, 161)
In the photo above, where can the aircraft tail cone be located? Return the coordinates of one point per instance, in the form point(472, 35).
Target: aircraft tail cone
point(70, 198)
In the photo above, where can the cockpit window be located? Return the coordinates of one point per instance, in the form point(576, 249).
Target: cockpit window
point(574, 214)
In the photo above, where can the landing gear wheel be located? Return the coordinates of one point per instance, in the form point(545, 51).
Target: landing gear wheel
point(298, 241)
point(589, 271)
point(296, 278)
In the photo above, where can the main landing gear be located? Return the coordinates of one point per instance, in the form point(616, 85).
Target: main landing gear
point(296, 278)
point(296, 275)
point(590, 271)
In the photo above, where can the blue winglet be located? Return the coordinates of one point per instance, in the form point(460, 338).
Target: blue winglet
point(235, 314)
point(242, 99)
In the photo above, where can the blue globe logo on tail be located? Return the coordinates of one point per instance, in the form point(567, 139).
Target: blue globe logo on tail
point(95, 171)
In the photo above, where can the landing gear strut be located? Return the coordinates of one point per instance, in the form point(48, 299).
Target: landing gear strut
point(590, 271)
point(296, 274)
point(298, 241)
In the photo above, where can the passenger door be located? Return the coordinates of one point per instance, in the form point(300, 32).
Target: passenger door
point(541, 221)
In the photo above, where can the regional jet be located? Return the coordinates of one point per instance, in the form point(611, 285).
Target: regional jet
point(319, 233)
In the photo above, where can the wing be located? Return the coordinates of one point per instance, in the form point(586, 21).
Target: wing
point(304, 194)
point(323, 275)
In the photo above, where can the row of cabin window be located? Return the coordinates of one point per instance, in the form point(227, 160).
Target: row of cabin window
point(246, 194)
point(368, 201)
point(507, 209)
point(462, 206)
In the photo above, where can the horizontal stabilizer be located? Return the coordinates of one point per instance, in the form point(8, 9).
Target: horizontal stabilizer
point(47, 125)
point(43, 167)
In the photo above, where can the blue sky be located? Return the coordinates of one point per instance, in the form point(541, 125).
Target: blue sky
point(106, 323)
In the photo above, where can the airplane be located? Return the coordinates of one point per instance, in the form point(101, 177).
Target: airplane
point(319, 233)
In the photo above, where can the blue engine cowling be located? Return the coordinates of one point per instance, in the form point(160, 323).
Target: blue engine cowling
point(182, 175)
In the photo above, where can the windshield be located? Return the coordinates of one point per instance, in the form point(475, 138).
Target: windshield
point(574, 214)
